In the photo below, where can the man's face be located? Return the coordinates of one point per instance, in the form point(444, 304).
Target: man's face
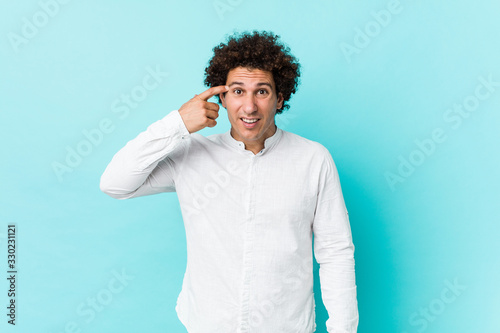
point(252, 95)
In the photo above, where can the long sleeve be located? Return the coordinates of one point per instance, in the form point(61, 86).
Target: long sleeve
point(143, 166)
point(334, 251)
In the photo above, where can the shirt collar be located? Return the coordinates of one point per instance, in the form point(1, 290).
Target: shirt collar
point(240, 145)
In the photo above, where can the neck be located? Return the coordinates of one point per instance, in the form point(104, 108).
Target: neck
point(255, 146)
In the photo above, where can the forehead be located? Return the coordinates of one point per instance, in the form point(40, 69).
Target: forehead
point(247, 76)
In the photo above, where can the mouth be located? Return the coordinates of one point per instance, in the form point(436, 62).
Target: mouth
point(249, 122)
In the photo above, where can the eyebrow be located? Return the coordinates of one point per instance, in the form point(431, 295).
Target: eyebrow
point(258, 84)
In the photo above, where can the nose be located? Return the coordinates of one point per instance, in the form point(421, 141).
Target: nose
point(249, 104)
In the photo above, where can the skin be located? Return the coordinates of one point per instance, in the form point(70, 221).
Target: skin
point(198, 113)
point(252, 94)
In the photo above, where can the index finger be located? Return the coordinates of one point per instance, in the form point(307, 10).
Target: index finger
point(212, 92)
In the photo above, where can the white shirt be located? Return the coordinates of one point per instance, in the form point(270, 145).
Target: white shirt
point(249, 221)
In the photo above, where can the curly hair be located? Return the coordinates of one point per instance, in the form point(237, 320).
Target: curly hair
point(256, 50)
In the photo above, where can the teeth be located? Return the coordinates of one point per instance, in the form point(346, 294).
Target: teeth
point(249, 121)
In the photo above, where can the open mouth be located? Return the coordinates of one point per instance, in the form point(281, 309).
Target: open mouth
point(249, 122)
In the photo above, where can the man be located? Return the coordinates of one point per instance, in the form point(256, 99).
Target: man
point(251, 200)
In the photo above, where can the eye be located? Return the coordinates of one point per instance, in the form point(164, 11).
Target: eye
point(237, 91)
point(263, 92)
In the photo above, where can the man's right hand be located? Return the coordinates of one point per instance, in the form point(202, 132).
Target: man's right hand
point(198, 113)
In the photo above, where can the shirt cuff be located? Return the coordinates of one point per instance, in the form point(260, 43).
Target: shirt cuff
point(181, 127)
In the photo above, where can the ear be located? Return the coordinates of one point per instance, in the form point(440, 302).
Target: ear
point(223, 100)
point(279, 105)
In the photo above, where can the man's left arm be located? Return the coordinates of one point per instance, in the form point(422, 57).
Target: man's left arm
point(334, 251)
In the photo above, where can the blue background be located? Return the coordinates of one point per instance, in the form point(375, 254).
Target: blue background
point(370, 90)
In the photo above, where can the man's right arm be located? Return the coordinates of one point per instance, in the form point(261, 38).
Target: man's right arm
point(142, 167)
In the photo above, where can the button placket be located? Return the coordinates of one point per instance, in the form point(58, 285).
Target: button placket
point(247, 251)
